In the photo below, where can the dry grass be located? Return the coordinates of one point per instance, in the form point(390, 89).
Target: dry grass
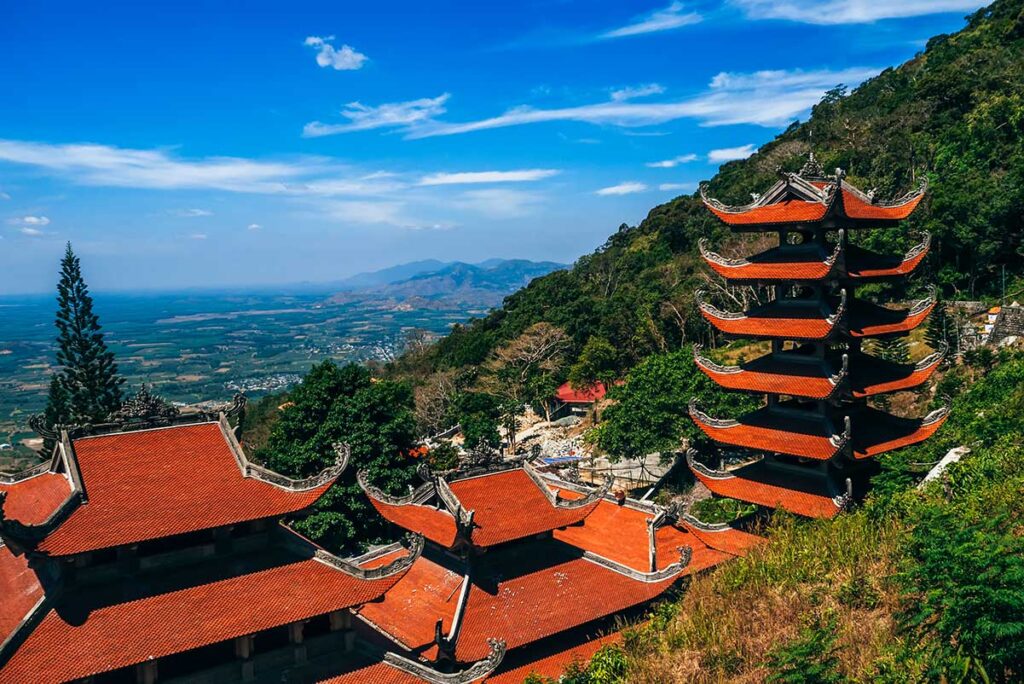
point(728, 622)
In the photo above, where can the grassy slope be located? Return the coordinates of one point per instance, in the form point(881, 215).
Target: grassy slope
point(954, 113)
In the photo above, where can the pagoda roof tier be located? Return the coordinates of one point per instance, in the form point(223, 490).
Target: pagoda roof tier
point(867, 319)
point(811, 263)
point(129, 487)
point(86, 633)
point(520, 594)
point(785, 319)
point(812, 496)
point(774, 431)
point(785, 432)
point(811, 198)
point(484, 510)
point(397, 669)
point(791, 373)
point(799, 374)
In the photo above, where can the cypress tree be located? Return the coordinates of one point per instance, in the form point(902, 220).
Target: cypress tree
point(88, 376)
point(58, 410)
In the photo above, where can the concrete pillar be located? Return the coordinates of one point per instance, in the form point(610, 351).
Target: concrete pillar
point(340, 619)
point(244, 646)
point(295, 637)
point(145, 673)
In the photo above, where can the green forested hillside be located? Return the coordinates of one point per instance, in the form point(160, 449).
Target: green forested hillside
point(954, 113)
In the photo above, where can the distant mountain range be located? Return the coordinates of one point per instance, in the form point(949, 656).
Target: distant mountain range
point(439, 282)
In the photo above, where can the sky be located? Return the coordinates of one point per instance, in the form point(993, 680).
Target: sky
point(202, 145)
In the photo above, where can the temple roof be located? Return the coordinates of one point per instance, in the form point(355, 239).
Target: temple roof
point(398, 669)
point(130, 487)
point(789, 319)
point(810, 496)
point(519, 594)
point(566, 394)
point(805, 199)
point(20, 588)
point(553, 664)
point(483, 510)
point(868, 432)
point(87, 633)
point(812, 263)
point(801, 375)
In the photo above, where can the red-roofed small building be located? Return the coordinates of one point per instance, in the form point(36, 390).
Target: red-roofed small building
point(817, 434)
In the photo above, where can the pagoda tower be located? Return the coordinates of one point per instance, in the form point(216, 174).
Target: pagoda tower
point(818, 432)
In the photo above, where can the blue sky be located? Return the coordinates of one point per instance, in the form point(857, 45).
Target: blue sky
point(206, 144)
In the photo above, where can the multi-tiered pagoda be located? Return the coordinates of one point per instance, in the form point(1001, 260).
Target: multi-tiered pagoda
point(818, 431)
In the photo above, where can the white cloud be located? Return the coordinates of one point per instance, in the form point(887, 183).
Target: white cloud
point(630, 93)
point(826, 12)
point(4, 196)
point(254, 226)
point(344, 58)
point(673, 162)
point(472, 177)
point(665, 19)
point(628, 188)
point(31, 232)
point(764, 98)
point(664, 187)
point(731, 153)
point(499, 203)
point(389, 115)
point(32, 220)
point(191, 213)
point(197, 236)
point(369, 212)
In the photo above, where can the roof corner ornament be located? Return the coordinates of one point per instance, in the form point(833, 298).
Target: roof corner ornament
point(40, 427)
point(145, 407)
point(685, 555)
point(473, 673)
point(844, 370)
point(812, 169)
point(844, 501)
point(237, 406)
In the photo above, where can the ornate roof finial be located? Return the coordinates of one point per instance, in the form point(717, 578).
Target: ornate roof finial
point(812, 169)
point(145, 406)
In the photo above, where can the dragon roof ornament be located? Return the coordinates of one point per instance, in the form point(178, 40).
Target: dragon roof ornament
point(594, 495)
point(351, 566)
point(473, 673)
point(714, 311)
point(923, 305)
point(704, 361)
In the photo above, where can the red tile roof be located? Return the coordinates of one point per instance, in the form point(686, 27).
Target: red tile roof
point(619, 533)
point(786, 211)
point(727, 539)
point(436, 525)
point(876, 432)
point(871, 320)
point(757, 484)
point(862, 264)
point(32, 501)
point(855, 207)
point(509, 505)
point(777, 263)
point(765, 430)
point(871, 376)
point(775, 320)
point(773, 375)
point(157, 483)
point(520, 595)
point(552, 666)
point(379, 673)
point(566, 394)
point(20, 589)
point(85, 638)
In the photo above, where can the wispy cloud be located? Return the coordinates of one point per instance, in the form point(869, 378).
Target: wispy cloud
point(473, 177)
point(389, 115)
point(628, 188)
point(191, 213)
point(254, 226)
point(665, 187)
point(764, 98)
point(633, 92)
point(197, 236)
point(31, 232)
point(29, 221)
point(731, 153)
point(4, 196)
point(673, 162)
point(344, 58)
point(830, 12)
point(672, 17)
point(499, 203)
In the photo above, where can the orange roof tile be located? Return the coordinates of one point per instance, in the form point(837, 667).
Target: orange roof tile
point(766, 430)
point(85, 636)
point(33, 500)
point(871, 376)
point(436, 525)
point(509, 505)
point(520, 595)
point(552, 666)
point(727, 539)
point(378, 673)
point(786, 211)
point(773, 374)
point(566, 394)
point(876, 432)
point(778, 263)
point(775, 321)
point(150, 484)
point(862, 264)
point(871, 320)
point(757, 484)
point(20, 589)
point(855, 207)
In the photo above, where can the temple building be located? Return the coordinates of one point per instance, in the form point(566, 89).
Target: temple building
point(155, 551)
point(818, 433)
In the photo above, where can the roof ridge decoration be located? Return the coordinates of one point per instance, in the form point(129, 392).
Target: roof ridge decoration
point(690, 520)
point(414, 498)
point(790, 181)
point(350, 567)
point(844, 501)
point(463, 517)
point(840, 441)
point(933, 359)
point(919, 248)
point(871, 198)
point(25, 474)
point(703, 469)
point(595, 494)
point(837, 314)
point(844, 370)
point(263, 474)
point(24, 537)
point(704, 361)
point(474, 672)
point(712, 310)
point(812, 168)
point(939, 413)
point(706, 252)
point(705, 418)
point(673, 570)
point(923, 305)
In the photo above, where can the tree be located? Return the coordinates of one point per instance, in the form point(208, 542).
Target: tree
point(893, 349)
point(524, 371)
point(88, 374)
point(478, 415)
point(597, 363)
point(343, 404)
point(58, 411)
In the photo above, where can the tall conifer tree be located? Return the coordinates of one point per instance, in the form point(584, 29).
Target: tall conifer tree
point(89, 384)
